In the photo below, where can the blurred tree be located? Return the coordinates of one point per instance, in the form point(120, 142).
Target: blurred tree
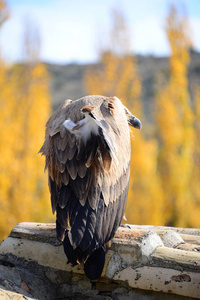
point(174, 122)
point(31, 43)
point(24, 109)
point(194, 213)
point(118, 76)
point(4, 12)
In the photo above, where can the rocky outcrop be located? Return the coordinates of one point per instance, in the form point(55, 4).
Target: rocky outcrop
point(143, 262)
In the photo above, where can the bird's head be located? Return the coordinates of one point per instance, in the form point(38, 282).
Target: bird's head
point(132, 120)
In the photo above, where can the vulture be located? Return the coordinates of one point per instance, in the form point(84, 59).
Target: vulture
point(87, 155)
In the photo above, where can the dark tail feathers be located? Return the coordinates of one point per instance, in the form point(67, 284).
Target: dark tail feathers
point(74, 256)
point(93, 266)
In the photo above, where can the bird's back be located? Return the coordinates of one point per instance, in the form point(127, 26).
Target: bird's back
point(87, 149)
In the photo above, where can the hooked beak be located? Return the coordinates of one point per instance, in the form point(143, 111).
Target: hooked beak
point(134, 122)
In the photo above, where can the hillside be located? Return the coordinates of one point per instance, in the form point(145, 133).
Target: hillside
point(67, 81)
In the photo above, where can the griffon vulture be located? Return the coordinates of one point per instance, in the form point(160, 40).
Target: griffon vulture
point(87, 150)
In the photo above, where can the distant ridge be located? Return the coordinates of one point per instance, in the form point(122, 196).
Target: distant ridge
point(67, 81)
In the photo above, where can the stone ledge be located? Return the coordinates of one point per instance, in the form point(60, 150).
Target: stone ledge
point(140, 260)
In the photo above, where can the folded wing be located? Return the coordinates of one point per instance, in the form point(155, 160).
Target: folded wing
point(88, 174)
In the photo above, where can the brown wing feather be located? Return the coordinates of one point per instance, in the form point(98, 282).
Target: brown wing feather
point(65, 177)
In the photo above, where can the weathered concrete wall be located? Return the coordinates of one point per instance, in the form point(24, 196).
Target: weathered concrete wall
point(143, 262)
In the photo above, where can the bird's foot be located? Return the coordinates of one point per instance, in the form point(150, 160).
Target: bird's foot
point(125, 226)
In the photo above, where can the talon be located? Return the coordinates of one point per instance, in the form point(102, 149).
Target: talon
point(125, 226)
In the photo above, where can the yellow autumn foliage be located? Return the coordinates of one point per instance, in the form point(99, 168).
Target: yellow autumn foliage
point(165, 173)
point(25, 107)
point(174, 121)
point(194, 213)
point(118, 76)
